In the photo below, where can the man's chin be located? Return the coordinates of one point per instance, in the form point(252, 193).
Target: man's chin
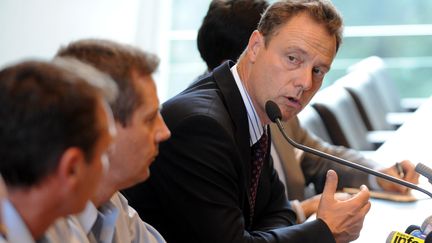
point(145, 175)
point(288, 116)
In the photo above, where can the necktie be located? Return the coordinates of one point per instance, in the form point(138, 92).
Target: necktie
point(259, 150)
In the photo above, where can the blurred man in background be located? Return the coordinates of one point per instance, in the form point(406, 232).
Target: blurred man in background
point(140, 128)
point(55, 130)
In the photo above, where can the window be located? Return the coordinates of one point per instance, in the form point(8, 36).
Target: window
point(398, 31)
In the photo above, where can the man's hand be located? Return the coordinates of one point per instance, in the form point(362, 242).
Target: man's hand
point(409, 175)
point(344, 218)
point(310, 205)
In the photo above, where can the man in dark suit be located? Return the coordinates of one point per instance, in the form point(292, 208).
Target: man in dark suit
point(202, 186)
point(302, 173)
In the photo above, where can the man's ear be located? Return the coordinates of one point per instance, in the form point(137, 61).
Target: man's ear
point(71, 167)
point(256, 42)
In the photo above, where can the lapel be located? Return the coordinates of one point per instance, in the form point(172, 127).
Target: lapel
point(293, 174)
point(234, 103)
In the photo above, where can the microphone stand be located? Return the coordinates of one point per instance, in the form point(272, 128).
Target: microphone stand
point(348, 163)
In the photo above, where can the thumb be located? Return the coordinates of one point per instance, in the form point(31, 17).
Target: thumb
point(330, 185)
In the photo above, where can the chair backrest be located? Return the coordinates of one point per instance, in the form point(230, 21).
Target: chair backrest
point(369, 101)
point(342, 118)
point(311, 121)
point(385, 85)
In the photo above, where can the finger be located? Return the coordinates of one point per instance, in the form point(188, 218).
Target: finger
point(330, 185)
point(342, 196)
point(363, 211)
point(362, 196)
point(361, 217)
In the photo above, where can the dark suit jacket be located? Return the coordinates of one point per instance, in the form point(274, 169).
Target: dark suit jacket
point(302, 168)
point(199, 184)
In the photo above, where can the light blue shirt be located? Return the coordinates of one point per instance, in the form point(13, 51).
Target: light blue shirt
point(256, 129)
point(115, 221)
point(17, 230)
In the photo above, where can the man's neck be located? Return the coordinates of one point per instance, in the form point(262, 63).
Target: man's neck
point(107, 188)
point(244, 68)
point(37, 211)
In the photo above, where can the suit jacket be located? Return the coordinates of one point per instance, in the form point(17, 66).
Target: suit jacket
point(199, 185)
point(303, 168)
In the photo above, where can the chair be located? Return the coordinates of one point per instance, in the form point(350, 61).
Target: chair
point(342, 119)
point(312, 122)
point(369, 102)
point(386, 86)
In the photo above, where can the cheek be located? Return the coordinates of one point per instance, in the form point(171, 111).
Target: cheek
point(98, 171)
point(310, 93)
point(141, 145)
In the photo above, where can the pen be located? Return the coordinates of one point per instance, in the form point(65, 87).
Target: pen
point(400, 170)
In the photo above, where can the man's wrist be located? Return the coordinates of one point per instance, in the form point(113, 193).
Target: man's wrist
point(298, 209)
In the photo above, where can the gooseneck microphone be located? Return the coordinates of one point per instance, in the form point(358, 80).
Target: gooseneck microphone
point(274, 113)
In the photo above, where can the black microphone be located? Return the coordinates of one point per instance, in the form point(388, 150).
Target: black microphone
point(416, 231)
point(274, 113)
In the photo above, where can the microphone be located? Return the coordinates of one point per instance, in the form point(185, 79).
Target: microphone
point(426, 226)
point(424, 171)
point(274, 113)
point(399, 237)
point(416, 231)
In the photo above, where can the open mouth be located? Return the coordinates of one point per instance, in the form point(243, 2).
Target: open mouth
point(292, 99)
point(294, 102)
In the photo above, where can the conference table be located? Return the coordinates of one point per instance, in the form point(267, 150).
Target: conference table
point(411, 141)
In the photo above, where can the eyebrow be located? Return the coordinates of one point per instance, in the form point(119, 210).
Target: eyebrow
point(295, 48)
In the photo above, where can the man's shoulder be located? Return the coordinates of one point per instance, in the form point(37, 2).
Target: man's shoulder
point(202, 95)
point(195, 101)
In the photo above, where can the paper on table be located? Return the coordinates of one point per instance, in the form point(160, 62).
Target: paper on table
point(392, 196)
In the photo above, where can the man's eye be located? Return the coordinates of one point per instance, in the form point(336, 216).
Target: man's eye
point(292, 58)
point(318, 71)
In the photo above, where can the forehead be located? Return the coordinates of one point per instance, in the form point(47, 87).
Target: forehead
point(304, 31)
point(145, 89)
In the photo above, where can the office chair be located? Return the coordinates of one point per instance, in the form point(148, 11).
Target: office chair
point(369, 102)
point(311, 121)
point(386, 86)
point(343, 121)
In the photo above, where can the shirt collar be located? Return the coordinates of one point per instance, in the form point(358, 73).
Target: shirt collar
point(17, 229)
point(256, 129)
point(87, 217)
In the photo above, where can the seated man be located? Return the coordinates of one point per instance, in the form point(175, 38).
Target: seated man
point(214, 180)
point(55, 129)
point(140, 128)
point(216, 44)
